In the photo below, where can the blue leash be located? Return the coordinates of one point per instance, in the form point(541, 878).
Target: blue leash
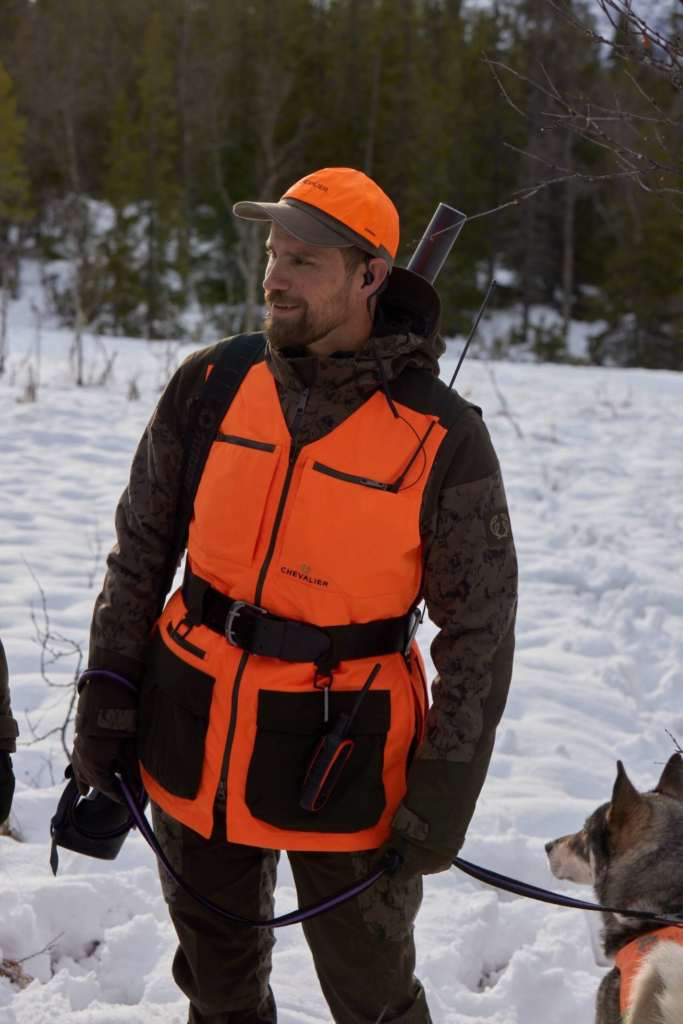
point(388, 865)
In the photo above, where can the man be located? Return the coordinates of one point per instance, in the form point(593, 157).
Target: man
point(282, 703)
point(8, 741)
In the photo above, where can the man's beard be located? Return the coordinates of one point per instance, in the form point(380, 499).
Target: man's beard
point(307, 326)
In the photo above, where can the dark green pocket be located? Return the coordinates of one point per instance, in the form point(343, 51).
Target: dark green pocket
point(175, 701)
point(289, 727)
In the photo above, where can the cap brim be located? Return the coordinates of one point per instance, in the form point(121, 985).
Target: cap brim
point(297, 222)
point(310, 225)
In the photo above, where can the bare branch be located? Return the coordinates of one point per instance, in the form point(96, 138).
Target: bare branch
point(634, 39)
point(12, 969)
point(54, 647)
point(504, 407)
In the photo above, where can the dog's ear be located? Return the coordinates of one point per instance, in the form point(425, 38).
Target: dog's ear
point(628, 812)
point(671, 782)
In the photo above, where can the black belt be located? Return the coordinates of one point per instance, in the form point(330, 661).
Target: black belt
point(257, 631)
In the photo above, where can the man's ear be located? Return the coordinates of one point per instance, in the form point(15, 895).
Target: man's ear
point(380, 271)
point(628, 812)
point(671, 782)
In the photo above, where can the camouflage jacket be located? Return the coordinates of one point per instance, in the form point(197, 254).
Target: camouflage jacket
point(470, 568)
point(9, 729)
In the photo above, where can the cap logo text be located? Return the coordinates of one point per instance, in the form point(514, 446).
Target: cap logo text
point(316, 184)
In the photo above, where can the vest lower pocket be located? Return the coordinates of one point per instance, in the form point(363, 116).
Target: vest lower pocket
point(175, 701)
point(289, 728)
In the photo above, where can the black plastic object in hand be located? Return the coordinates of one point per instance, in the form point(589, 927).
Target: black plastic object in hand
point(95, 825)
point(6, 785)
point(437, 242)
point(331, 754)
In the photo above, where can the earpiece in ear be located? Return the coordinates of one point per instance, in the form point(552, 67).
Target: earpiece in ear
point(368, 276)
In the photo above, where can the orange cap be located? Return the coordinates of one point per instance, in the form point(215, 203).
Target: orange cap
point(336, 206)
point(354, 199)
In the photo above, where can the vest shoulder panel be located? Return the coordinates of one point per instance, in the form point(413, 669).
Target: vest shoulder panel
point(420, 390)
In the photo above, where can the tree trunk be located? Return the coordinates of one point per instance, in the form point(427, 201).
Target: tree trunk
point(4, 303)
point(374, 108)
point(78, 336)
point(249, 264)
point(568, 258)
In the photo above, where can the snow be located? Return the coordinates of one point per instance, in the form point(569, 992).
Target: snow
point(594, 487)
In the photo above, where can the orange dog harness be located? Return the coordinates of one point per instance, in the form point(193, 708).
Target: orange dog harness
point(629, 959)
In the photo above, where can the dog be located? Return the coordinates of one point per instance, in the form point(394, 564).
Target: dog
point(631, 851)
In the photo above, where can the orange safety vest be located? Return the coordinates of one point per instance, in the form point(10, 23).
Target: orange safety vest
point(305, 539)
point(630, 958)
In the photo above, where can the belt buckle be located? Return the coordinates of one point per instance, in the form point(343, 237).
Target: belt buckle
point(233, 614)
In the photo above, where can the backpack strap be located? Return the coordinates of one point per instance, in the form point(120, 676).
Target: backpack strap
point(215, 398)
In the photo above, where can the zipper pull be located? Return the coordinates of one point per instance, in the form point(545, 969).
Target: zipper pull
point(302, 404)
point(300, 410)
point(221, 795)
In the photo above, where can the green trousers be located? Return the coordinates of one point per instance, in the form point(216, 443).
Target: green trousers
point(364, 952)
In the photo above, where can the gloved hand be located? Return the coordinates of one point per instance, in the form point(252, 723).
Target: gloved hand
point(106, 724)
point(95, 759)
point(6, 785)
point(415, 858)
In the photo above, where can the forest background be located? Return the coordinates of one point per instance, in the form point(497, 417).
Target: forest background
point(128, 128)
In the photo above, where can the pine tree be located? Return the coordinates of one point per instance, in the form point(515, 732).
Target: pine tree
point(158, 129)
point(142, 183)
point(123, 187)
point(14, 191)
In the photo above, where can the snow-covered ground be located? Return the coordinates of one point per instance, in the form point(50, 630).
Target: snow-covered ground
point(594, 486)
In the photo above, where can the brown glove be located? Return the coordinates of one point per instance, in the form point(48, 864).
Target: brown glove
point(415, 859)
point(106, 723)
point(95, 760)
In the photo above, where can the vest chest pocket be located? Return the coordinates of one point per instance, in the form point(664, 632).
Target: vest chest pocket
point(175, 701)
point(289, 728)
point(232, 497)
point(357, 536)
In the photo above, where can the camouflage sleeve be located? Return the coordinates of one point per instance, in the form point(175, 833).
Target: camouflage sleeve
point(470, 586)
point(9, 730)
point(471, 592)
point(128, 605)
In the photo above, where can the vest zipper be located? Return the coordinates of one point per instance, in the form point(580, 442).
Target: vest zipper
point(300, 410)
point(245, 442)
point(293, 455)
point(222, 792)
point(350, 478)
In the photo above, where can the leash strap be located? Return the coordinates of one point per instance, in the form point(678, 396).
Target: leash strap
point(337, 899)
point(90, 673)
point(138, 817)
point(391, 862)
point(533, 892)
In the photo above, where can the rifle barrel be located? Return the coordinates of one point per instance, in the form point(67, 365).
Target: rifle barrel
point(437, 242)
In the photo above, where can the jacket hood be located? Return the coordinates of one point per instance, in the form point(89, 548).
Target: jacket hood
point(409, 304)
point(407, 324)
